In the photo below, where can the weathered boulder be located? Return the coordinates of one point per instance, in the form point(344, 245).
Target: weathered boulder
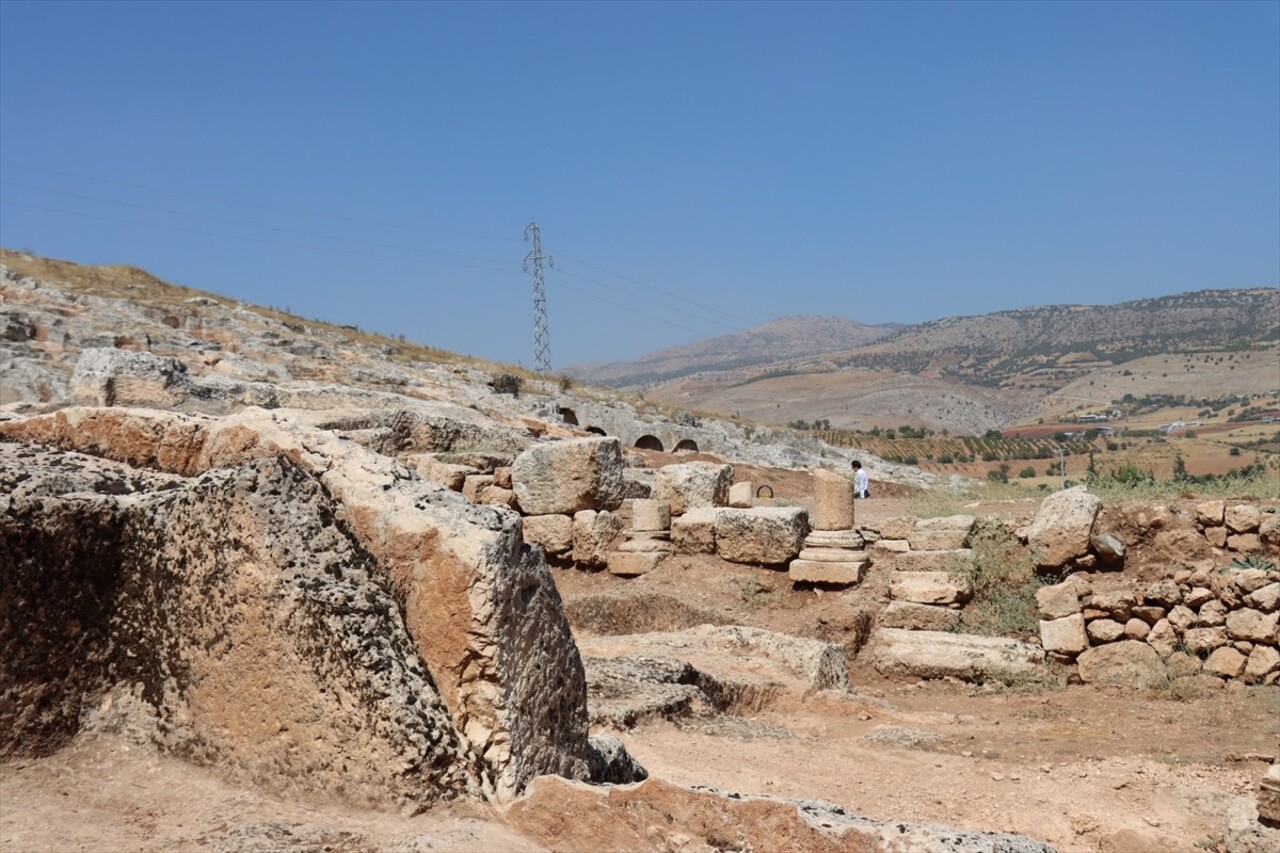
point(1266, 598)
point(1225, 662)
point(115, 377)
point(1058, 600)
point(761, 535)
point(937, 654)
point(1253, 625)
point(1104, 631)
point(1128, 662)
point(690, 485)
point(832, 501)
point(1109, 547)
point(1062, 528)
point(1242, 518)
point(569, 476)
point(1210, 513)
point(553, 532)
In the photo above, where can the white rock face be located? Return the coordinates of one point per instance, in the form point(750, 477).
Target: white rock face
point(569, 476)
point(937, 654)
point(762, 535)
point(690, 485)
point(114, 377)
point(1062, 527)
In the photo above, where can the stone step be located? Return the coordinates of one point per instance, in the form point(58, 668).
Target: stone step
point(833, 555)
point(814, 571)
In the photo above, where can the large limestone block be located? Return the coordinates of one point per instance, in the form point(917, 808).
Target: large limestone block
point(695, 531)
point(1061, 530)
point(941, 534)
point(1065, 636)
point(569, 476)
point(553, 532)
point(469, 590)
point(832, 501)
point(899, 527)
point(1058, 600)
point(1243, 518)
point(593, 533)
point(690, 485)
point(761, 535)
point(919, 617)
point(114, 377)
point(937, 654)
point(953, 560)
point(1253, 625)
point(824, 572)
point(742, 495)
point(930, 587)
point(650, 515)
point(1128, 662)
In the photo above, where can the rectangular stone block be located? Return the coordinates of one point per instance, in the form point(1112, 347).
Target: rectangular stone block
point(813, 571)
point(918, 617)
point(934, 561)
point(650, 515)
point(895, 546)
point(1064, 636)
point(897, 528)
point(930, 588)
point(695, 531)
point(937, 540)
point(629, 564)
point(742, 495)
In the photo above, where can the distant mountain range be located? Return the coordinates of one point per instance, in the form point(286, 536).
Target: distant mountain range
point(968, 373)
point(796, 336)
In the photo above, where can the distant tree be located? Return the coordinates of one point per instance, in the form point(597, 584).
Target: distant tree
point(1028, 472)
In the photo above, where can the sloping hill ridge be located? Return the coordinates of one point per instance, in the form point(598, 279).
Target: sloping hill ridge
point(989, 349)
point(795, 336)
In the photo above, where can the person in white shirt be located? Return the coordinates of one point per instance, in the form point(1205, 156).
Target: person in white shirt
point(860, 481)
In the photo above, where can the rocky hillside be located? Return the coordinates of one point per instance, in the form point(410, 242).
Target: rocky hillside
point(797, 336)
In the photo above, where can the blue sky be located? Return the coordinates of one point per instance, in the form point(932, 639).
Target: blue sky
point(696, 168)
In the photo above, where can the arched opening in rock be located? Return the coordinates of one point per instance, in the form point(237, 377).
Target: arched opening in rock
point(687, 445)
point(649, 442)
point(569, 416)
point(596, 431)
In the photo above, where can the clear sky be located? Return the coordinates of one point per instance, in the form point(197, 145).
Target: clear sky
point(696, 168)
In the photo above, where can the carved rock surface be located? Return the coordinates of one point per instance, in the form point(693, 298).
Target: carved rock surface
point(478, 604)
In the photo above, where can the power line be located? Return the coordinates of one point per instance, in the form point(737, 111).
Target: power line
point(649, 287)
point(255, 239)
point(625, 292)
point(259, 205)
point(249, 224)
point(630, 308)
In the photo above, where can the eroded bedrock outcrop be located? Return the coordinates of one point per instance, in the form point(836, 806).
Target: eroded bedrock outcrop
point(478, 609)
point(659, 816)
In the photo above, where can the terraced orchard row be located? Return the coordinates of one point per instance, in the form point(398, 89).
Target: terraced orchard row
point(947, 450)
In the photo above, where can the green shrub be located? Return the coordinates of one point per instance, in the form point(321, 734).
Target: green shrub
point(1004, 581)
